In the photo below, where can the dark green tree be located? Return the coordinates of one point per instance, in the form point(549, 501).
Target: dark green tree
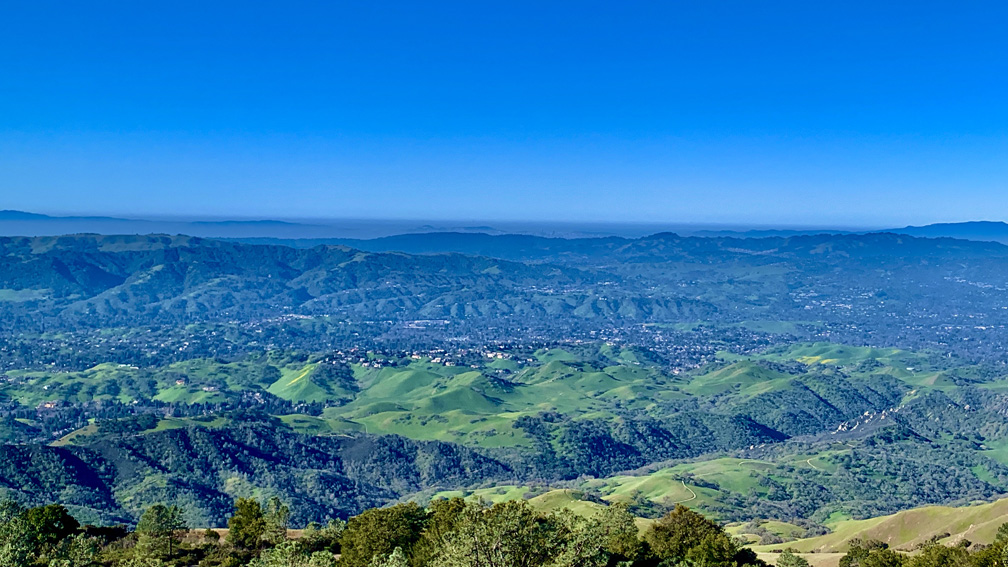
point(884, 558)
point(48, 525)
point(377, 532)
point(276, 515)
point(789, 559)
point(858, 550)
point(714, 550)
point(443, 518)
point(247, 525)
point(675, 534)
point(509, 533)
point(936, 555)
point(323, 538)
point(160, 530)
point(211, 536)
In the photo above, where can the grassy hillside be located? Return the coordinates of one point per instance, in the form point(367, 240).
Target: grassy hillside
point(422, 399)
point(812, 431)
point(905, 530)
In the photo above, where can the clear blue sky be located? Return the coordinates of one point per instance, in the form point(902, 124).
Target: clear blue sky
point(810, 113)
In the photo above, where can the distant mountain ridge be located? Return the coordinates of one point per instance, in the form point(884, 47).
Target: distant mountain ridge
point(21, 223)
point(159, 278)
point(666, 246)
point(509, 279)
point(985, 231)
point(994, 231)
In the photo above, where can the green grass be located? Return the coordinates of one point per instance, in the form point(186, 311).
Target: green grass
point(908, 367)
point(682, 483)
point(546, 502)
point(556, 500)
point(785, 530)
point(423, 400)
point(664, 486)
point(430, 401)
point(73, 436)
point(502, 493)
point(296, 384)
point(169, 423)
point(554, 354)
point(900, 363)
point(997, 450)
point(746, 378)
point(307, 424)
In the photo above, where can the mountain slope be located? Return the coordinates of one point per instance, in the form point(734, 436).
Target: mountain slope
point(976, 230)
point(114, 280)
point(114, 477)
point(905, 530)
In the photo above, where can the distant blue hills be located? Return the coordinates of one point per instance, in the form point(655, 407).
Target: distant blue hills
point(345, 231)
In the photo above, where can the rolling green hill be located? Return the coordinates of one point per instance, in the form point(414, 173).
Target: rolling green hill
point(812, 431)
point(906, 529)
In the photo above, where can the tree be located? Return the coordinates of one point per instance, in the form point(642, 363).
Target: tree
point(141, 562)
point(581, 541)
point(211, 536)
point(48, 525)
point(885, 558)
point(679, 531)
point(860, 550)
point(10, 509)
point(1002, 534)
point(277, 519)
point(443, 517)
point(76, 551)
point(377, 532)
point(325, 538)
point(14, 551)
point(935, 555)
point(267, 375)
point(292, 554)
point(509, 533)
point(15, 541)
point(714, 550)
point(246, 526)
point(607, 538)
point(789, 559)
point(159, 530)
point(395, 559)
point(622, 537)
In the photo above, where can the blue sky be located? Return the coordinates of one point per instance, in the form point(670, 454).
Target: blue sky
point(799, 113)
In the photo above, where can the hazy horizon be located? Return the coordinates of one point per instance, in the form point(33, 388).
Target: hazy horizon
point(454, 221)
point(33, 223)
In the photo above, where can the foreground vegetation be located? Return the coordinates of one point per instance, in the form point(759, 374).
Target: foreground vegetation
point(448, 533)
